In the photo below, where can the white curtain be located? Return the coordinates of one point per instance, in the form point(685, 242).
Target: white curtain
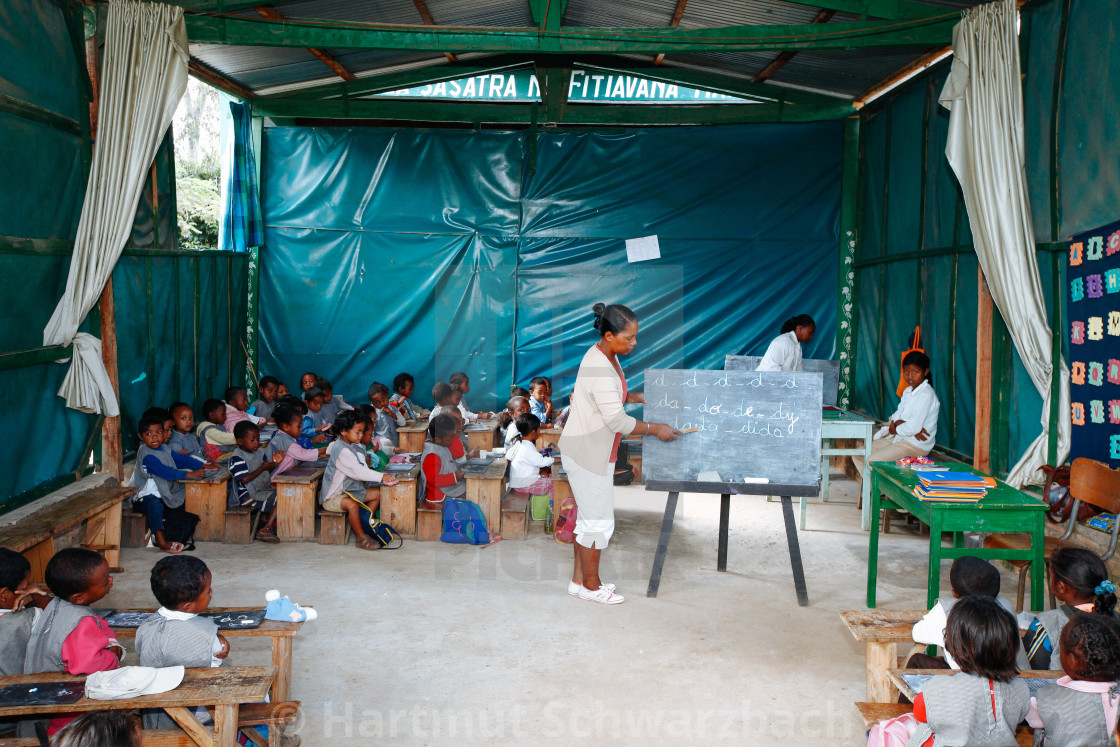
point(143, 76)
point(985, 149)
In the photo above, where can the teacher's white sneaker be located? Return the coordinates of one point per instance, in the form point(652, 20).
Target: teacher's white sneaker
point(573, 588)
point(602, 595)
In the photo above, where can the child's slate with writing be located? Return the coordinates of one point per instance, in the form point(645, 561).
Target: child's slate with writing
point(753, 424)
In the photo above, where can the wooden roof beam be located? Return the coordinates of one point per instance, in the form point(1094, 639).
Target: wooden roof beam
point(426, 17)
point(204, 72)
point(780, 61)
point(674, 22)
point(892, 80)
point(328, 59)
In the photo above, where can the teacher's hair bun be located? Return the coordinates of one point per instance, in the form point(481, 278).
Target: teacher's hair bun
point(598, 310)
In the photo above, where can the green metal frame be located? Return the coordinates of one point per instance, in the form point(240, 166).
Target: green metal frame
point(254, 31)
point(847, 298)
point(522, 113)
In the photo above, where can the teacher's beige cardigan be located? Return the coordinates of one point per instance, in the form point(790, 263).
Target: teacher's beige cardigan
point(597, 413)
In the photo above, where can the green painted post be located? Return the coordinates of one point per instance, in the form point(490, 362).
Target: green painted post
point(849, 240)
point(253, 278)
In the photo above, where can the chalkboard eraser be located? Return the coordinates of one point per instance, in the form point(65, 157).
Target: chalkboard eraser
point(757, 480)
point(709, 476)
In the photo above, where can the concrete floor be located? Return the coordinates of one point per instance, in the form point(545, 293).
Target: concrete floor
point(440, 644)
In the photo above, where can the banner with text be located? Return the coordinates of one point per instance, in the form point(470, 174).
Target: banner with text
point(585, 87)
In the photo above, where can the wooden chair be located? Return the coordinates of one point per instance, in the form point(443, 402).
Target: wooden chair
point(1090, 482)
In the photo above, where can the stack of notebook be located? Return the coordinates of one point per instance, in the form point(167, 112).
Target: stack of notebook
point(952, 487)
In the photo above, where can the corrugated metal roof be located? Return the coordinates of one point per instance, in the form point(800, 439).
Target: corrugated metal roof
point(840, 73)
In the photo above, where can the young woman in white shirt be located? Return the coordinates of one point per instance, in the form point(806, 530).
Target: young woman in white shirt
point(912, 430)
point(784, 353)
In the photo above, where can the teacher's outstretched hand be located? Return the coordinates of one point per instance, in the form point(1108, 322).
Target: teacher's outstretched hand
point(589, 445)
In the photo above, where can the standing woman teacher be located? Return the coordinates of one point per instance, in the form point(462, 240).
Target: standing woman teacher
point(589, 444)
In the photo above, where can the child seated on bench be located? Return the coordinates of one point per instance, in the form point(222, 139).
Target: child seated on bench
point(388, 418)
point(314, 426)
point(212, 430)
point(237, 406)
point(182, 437)
point(403, 387)
point(264, 405)
point(68, 636)
point(969, 577)
point(1079, 581)
point(443, 394)
point(158, 475)
point(307, 381)
point(460, 381)
point(347, 475)
point(529, 472)
point(20, 604)
point(286, 439)
point(440, 473)
point(332, 403)
point(176, 635)
point(540, 398)
point(250, 481)
point(506, 419)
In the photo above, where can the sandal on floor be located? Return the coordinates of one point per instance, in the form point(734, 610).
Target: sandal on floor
point(267, 535)
point(174, 548)
point(366, 543)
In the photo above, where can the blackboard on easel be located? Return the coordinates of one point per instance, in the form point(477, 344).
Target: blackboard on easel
point(753, 424)
point(828, 368)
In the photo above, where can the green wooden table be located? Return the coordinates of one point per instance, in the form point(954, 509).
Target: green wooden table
point(1003, 509)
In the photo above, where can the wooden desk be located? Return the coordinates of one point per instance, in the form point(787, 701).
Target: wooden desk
point(100, 508)
point(412, 437)
point(845, 425)
point(478, 438)
point(895, 675)
point(1003, 509)
point(486, 489)
point(296, 494)
point(398, 503)
point(882, 631)
point(223, 688)
point(281, 634)
point(549, 437)
point(207, 496)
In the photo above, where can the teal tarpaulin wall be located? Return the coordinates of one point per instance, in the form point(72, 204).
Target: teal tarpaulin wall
point(431, 251)
point(916, 262)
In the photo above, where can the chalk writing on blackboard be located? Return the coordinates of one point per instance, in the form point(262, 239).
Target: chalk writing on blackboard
point(752, 424)
point(122, 619)
point(245, 619)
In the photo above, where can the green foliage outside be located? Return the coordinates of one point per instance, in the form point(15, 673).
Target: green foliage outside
point(197, 166)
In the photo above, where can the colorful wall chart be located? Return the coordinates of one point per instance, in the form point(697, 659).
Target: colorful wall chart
point(1094, 311)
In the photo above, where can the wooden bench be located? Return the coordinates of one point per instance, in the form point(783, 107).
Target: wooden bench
point(270, 715)
point(207, 496)
point(412, 436)
point(398, 502)
point(222, 688)
point(515, 515)
point(99, 508)
point(549, 437)
point(334, 528)
point(297, 491)
point(134, 529)
point(486, 489)
point(882, 631)
point(240, 522)
point(281, 635)
point(429, 521)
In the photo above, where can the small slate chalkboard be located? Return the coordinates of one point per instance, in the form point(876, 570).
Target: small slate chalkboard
point(753, 424)
point(44, 693)
point(476, 466)
point(830, 370)
point(243, 620)
point(123, 619)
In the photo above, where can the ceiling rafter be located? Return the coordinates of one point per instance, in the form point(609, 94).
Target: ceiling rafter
point(426, 17)
point(328, 59)
point(784, 57)
point(222, 82)
point(675, 21)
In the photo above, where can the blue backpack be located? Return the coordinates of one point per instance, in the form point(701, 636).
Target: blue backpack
point(463, 523)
